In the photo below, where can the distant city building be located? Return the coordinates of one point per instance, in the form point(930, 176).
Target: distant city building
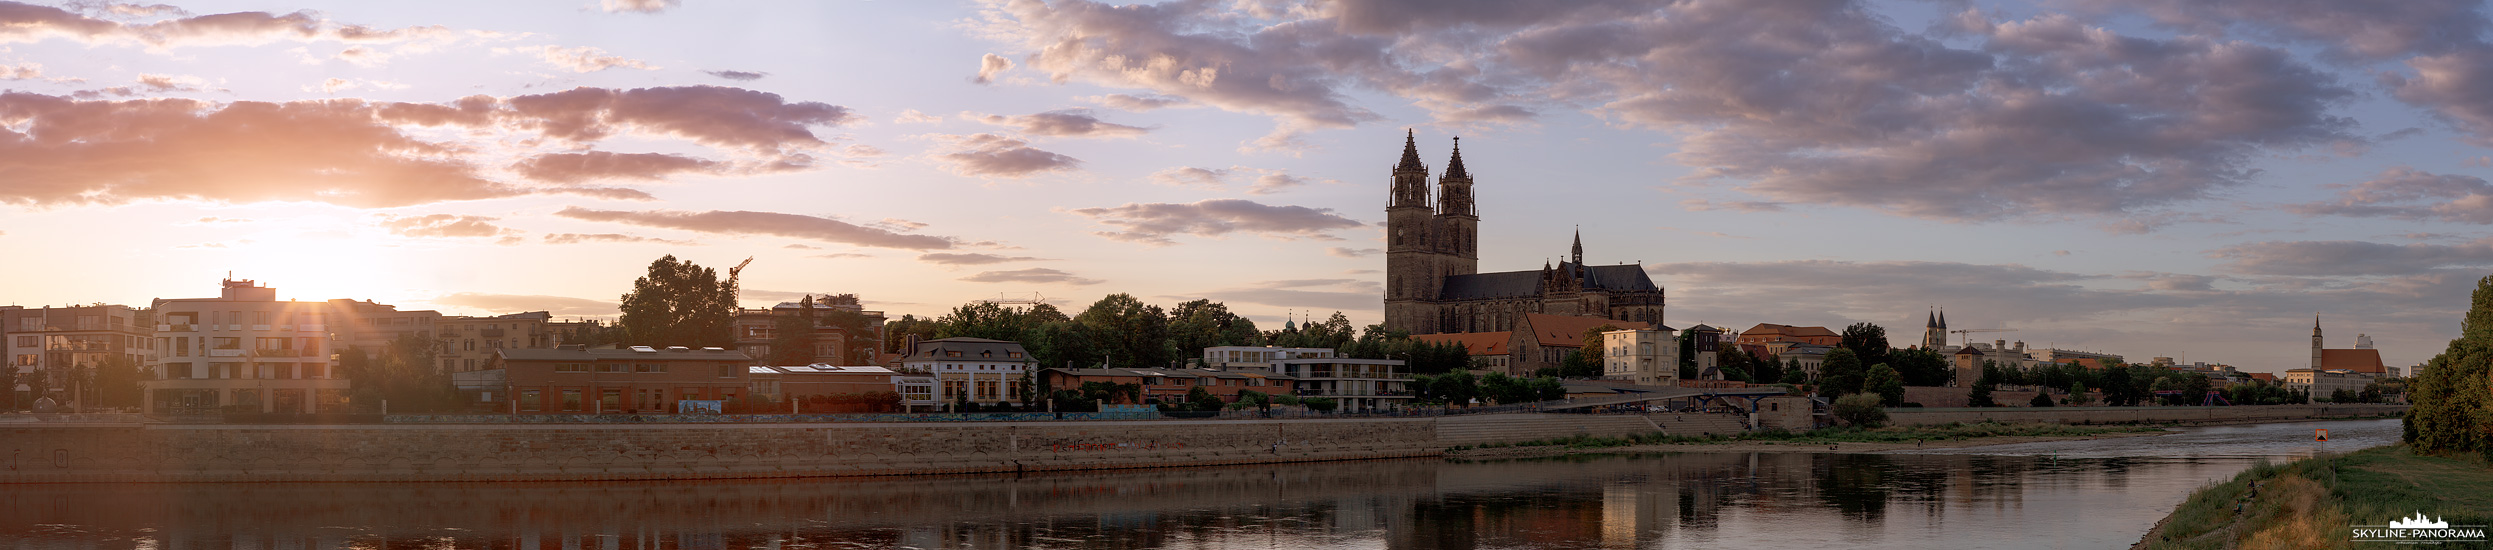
point(637, 379)
point(2363, 341)
point(1808, 358)
point(465, 344)
point(1256, 357)
point(1769, 332)
point(56, 348)
point(1645, 357)
point(244, 350)
point(2320, 383)
point(372, 326)
point(1538, 341)
point(1356, 384)
point(1173, 385)
point(798, 382)
point(1433, 282)
point(2362, 360)
point(757, 329)
point(2088, 359)
point(977, 370)
point(1935, 330)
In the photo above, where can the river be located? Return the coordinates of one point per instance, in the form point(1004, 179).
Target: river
point(2067, 494)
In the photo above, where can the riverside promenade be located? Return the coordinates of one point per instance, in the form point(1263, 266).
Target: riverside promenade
point(130, 449)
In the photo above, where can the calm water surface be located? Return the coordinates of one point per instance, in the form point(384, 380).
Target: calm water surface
point(2071, 494)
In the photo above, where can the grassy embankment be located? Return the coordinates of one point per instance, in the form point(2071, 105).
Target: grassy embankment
point(2315, 502)
point(1890, 434)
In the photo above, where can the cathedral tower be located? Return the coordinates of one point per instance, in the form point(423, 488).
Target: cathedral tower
point(1412, 270)
point(2315, 341)
point(1934, 334)
point(1456, 218)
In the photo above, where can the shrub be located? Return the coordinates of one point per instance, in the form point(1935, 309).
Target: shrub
point(1863, 410)
point(2041, 399)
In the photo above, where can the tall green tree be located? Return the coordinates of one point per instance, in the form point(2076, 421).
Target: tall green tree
point(1587, 360)
point(2453, 410)
point(401, 372)
point(898, 332)
point(679, 303)
point(1128, 332)
point(1842, 374)
point(792, 336)
point(1887, 383)
point(1198, 324)
point(1920, 367)
point(1867, 341)
point(117, 382)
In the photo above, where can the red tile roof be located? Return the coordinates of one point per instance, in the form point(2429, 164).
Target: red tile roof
point(1478, 343)
point(1568, 331)
point(2358, 360)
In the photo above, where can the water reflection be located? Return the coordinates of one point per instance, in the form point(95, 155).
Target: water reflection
point(1689, 500)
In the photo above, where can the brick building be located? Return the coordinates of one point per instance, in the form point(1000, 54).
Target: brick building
point(1173, 385)
point(576, 380)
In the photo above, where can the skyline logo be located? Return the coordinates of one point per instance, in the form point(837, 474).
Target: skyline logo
point(2418, 529)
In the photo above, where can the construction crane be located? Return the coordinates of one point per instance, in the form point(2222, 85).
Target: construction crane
point(1969, 333)
point(737, 271)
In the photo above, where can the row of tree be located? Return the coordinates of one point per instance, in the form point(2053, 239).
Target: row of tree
point(2453, 410)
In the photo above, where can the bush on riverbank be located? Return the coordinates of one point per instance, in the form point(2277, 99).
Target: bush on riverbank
point(2315, 502)
point(1843, 434)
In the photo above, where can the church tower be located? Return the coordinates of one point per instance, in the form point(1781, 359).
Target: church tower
point(1934, 335)
point(1456, 218)
point(1412, 273)
point(2315, 341)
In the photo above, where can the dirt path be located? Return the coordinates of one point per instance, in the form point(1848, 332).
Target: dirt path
point(1771, 446)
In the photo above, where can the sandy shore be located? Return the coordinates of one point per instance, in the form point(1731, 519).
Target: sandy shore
point(1773, 446)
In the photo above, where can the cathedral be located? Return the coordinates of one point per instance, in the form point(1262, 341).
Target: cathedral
point(1432, 265)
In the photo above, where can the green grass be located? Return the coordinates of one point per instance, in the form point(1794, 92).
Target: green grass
point(2314, 502)
point(1891, 434)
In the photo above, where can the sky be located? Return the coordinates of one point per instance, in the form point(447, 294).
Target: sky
point(2190, 179)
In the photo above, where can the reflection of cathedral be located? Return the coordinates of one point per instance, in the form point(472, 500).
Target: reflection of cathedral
point(1432, 264)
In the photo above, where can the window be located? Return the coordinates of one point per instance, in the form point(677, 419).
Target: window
point(261, 317)
point(728, 371)
point(649, 367)
point(30, 323)
point(610, 401)
point(529, 400)
point(952, 354)
point(177, 371)
point(917, 392)
point(987, 390)
point(449, 364)
point(315, 370)
point(571, 367)
point(1013, 354)
point(954, 389)
point(614, 367)
point(90, 322)
point(226, 342)
point(29, 341)
point(571, 400)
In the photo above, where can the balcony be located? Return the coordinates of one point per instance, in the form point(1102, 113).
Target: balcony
point(275, 353)
point(177, 328)
point(224, 353)
point(312, 327)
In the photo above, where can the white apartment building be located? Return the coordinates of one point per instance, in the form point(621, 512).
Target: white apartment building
point(1257, 357)
point(244, 349)
point(2320, 383)
point(987, 371)
point(1645, 357)
point(1356, 384)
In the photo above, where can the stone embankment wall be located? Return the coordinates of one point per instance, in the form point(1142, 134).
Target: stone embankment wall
point(103, 451)
point(2141, 415)
point(533, 452)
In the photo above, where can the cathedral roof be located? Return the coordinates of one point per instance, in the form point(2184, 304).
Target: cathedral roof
point(1568, 330)
point(1478, 343)
point(2358, 360)
point(1504, 284)
point(1410, 154)
point(1454, 168)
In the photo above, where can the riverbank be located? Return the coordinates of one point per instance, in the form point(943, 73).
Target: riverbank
point(2317, 502)
point(1827, 440)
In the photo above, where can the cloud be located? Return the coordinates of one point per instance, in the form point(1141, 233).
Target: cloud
point(802, 247)
point(514, 303)
point(1061, 123)
point(1032, 275)
point(912, 116)
point(946, 258)
point(841, 255)
point(2354, 258)
point(371, 154)
point(1154, 223)
point(169, 83)
point(991, 155)
point(739, 76)
point(21, 22)
point(1703, 205)
point(586, 238)
point(1805, 103)
point(1337, 294)
point(1340, 252)
point(443, 225)
point(989, 66)
point(1140, 103)
point(598, 165)
point(763, 223)
point(2406, 193)
point(1267, 181)
point(585, 59)
point(639, 6)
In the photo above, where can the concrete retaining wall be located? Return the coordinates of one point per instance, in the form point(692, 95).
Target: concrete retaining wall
point(516, 452)
point(2132, 415)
